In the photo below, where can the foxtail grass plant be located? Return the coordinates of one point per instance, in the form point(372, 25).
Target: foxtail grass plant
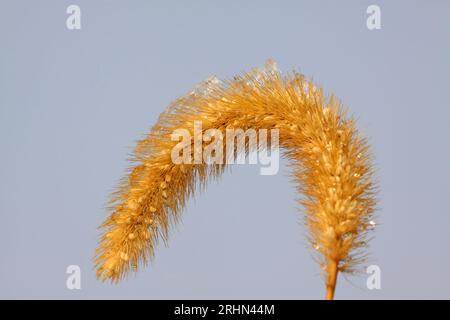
point(331, 166)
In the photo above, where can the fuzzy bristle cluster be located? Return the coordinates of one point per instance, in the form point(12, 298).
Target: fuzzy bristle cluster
point(331, 166)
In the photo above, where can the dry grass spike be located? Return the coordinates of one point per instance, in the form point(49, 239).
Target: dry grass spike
point(331, 165)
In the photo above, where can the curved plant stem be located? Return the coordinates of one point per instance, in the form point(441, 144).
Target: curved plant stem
point(331, 281)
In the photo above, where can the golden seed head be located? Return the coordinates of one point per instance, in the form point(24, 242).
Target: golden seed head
point(327, 151)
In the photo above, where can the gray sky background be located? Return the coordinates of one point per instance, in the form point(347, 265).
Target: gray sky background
point(73, 103)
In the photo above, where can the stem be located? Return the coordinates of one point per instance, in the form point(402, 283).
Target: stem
point(331, 282)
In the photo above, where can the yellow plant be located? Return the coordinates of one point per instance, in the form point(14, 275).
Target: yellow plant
point(331, 166)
